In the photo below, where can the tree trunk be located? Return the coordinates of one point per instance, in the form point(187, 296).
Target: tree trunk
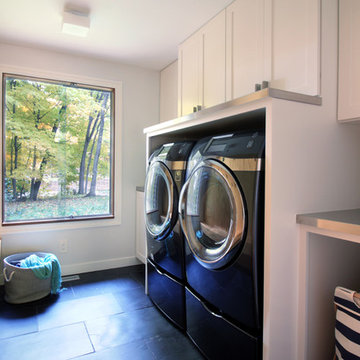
point(90, 158)
point(13, 180)
point(89, 134)
point(35, 183)
point(92, 191)
point(32, 187)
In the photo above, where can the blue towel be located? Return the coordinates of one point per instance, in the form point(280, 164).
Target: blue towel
point(43, 268)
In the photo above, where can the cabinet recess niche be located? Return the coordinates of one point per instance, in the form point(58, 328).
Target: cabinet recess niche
point(349, 66)
point(202, 67)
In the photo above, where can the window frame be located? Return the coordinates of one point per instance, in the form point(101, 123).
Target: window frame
point(77, 222)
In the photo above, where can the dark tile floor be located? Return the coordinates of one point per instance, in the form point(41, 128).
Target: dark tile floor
point(104, 315)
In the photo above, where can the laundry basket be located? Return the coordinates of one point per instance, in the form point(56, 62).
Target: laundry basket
point(347, 326)
point(21, 284)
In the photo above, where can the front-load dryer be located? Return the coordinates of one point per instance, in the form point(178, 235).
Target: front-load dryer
point(165, 242)
point(221, 211)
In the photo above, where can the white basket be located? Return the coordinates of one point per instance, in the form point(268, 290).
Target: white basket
point(21, 284)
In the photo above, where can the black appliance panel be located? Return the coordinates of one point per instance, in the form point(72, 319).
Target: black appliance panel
point(167, 294)
point(216, 338)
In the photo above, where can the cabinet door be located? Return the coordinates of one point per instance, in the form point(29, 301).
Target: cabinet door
point(189, 74)
point(212, 86)
point(140, 234)
point(349, 55)
point(168, 92)
point(245, 48)
point(296, 46)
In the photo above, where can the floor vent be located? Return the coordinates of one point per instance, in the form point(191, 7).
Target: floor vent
point(70, 278)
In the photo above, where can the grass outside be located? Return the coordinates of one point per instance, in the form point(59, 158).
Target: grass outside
point(57, 208)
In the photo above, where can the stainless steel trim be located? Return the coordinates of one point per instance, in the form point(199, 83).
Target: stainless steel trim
point(216, 314)
point(162, 273)
point(169, 181)
point(258, 95)
point(175, 165)
point(343, 221)
point(250, 164)
point(236, 228)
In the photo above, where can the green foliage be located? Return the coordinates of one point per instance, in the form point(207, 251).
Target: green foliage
point(54, 208)
point(45, 130)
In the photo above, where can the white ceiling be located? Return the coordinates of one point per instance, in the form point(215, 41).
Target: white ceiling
point(140, 32)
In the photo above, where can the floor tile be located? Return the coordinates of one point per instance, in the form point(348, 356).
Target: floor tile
point(109, 307)
point(139, 277)
point(95, 287)
point(56, 344)
point(173, 347)
point(127, 327)
point(137, 350)
point(17, 320)
point(133, 299)
point(72, 311)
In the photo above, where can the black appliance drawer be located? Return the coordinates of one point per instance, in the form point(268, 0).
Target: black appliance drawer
point(215, 337)
point(167, 294)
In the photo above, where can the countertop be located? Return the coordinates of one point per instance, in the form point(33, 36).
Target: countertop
point(344, 221)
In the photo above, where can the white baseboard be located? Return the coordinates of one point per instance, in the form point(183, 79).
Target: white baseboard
point(141, 257)
point(98, 265)
point(92, 266)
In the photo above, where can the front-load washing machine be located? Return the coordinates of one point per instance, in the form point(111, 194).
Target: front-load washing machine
point(221, 211)
point(165, 242)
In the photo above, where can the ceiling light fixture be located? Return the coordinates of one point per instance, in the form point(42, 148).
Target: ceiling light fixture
point(75, 22)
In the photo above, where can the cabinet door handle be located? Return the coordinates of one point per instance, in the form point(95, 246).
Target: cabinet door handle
point(264, 84)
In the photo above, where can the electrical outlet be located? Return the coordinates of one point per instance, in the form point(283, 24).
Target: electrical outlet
point(63, 245)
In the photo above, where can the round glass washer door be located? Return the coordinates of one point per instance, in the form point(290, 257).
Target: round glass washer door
point(160, 200)
point(212, 214)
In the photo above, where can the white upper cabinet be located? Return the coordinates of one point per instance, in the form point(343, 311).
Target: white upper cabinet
point(245, 47)
point(189, 75)
point(349, 65)
point(202, 67)
point(251, 41)
point(168, 92)
point(295, 60)
point(213, 45)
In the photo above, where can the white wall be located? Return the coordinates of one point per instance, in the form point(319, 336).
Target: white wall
point(107, 246)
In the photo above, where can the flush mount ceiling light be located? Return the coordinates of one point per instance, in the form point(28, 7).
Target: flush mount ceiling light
point(76, 22)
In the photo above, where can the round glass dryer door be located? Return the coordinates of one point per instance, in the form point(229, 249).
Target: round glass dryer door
point(160, 200)
point(212, 213)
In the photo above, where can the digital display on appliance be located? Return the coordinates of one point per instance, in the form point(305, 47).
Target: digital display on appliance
point(216, 147)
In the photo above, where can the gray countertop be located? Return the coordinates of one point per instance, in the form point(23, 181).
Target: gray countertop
point(345, 221)
point(140, 188)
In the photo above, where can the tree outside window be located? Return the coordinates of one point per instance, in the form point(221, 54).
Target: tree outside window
point(57, 151)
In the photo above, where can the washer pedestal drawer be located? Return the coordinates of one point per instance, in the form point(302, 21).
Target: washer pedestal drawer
point(215, 337)
point(167, 294)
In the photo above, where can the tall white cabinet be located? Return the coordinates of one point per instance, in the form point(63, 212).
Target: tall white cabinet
point(140, 234)
point(201, 59)
point(349, 55)
point(245, 47)
point(295, 58)
point(169, 92)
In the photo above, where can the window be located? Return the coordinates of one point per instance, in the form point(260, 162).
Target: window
point(57, 151)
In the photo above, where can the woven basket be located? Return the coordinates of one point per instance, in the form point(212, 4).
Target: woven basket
point(21, 284)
